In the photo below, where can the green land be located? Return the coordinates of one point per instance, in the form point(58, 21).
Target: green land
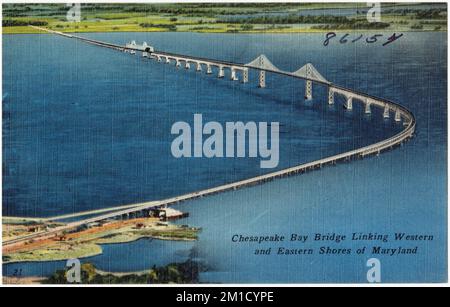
point(176, 273)
point(223, 18)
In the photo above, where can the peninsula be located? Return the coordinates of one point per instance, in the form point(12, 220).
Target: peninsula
point(86, 241)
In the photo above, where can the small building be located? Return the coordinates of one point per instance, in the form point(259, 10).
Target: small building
point(33, 229)
point(168, 214)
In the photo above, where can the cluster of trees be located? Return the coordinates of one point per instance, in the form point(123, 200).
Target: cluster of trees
point(16, 23)
point(18, 9)
point(206, 9)
point(289, 19)
point(431, 14)
point(189, 9)
point(433, 22)
point(323, 21)
point(180, 273)
point(151, 25)
point(417, 26)
point(247, 27)
point(357, 25)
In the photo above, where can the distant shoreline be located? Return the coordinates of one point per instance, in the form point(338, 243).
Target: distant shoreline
point(243, 18)
point(308, 31)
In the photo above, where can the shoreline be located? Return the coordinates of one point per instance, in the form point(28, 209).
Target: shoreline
point(101, 251)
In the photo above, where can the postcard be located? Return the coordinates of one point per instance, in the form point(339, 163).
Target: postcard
point(224, 143)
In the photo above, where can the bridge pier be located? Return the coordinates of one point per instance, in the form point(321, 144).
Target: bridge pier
point(233, 75)
point(367, 108)
point(199, 66)
point(308, 85)
point(245, 75)
point(386, 111)
point(330, 96)
point(145, 54)
point(262, 79)
point(398, 117)
point(159, 58)
point(221, 72)
point(187, 65)
point(308, 90)
point(208, 69)
point(349, 105)
point(178, 64)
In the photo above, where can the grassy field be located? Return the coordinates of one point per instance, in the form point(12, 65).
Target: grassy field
point(214, 18)
point(54, 253)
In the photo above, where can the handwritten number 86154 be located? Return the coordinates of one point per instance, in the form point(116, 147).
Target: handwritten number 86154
point(369, 39)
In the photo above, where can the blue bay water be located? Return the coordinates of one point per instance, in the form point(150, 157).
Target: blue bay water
point(85, 128)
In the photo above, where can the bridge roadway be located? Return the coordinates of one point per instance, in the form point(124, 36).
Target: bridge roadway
point(86, 213)
point(409, 124)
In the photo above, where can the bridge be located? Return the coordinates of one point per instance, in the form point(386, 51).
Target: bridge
point(262, 64)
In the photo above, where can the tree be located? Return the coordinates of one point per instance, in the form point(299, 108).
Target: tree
point(247, 27)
